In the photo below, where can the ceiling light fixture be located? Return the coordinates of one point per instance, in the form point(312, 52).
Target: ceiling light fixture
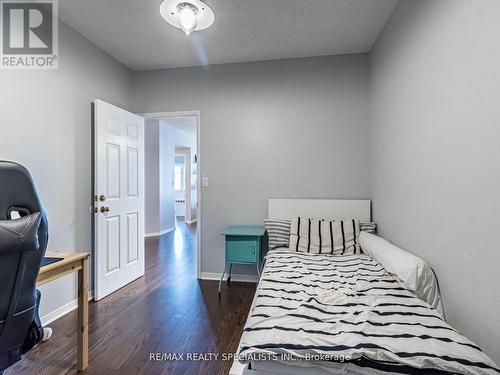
point(187, 15)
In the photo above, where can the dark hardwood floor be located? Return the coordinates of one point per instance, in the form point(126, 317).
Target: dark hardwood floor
point(167, 311)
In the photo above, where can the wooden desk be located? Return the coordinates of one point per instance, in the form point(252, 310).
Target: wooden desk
point(73, 262)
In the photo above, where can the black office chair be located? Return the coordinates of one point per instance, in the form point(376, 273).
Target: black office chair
point(23, 242)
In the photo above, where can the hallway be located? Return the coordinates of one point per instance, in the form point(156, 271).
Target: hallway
point(167, 311)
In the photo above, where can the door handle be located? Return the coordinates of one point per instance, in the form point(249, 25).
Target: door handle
point(102, 198)
point(104, 209)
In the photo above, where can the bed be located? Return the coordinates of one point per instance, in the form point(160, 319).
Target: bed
point(318, 314)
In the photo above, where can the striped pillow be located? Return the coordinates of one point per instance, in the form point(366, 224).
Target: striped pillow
point(278, 232)
point(369, 227)
point(320, 236)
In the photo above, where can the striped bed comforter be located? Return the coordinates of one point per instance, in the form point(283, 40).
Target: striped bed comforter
point(320, 310)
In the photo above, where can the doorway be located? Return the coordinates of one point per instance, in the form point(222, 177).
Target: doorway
point(180, 182)
point(172, 191)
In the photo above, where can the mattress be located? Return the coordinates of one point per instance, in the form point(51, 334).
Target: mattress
point(292, 368)
point(348, 315)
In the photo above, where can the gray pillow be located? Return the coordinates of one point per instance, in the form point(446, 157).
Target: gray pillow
point(278, 232)
point(369, 227)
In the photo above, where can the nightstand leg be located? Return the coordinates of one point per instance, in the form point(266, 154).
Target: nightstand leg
point(258, 263)
point(229, 277)
point(222, 277)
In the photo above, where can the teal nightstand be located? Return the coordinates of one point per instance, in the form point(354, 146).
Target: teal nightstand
point(243, 246)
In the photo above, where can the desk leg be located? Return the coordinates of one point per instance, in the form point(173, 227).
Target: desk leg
point(83, 316)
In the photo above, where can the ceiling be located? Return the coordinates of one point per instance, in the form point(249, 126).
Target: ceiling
point(134, 33)
point(186, 124)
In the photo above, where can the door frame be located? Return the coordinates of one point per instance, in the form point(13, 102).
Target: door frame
point(197, 115)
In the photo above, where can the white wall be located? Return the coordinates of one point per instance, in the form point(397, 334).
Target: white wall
point(161, 139)
point(308, 116)
point(45, 124)
point(435, 115)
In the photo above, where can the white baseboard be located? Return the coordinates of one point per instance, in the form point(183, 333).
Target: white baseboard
point(63, 310)
point(234, 277)
point(191, 221)
point(156, 234)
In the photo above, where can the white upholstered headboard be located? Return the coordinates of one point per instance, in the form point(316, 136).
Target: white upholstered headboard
point(359, 209)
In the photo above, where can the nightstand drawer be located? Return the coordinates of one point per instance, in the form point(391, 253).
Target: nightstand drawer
point(241, 249)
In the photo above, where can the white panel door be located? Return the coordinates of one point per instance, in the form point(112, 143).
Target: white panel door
point(119, 206)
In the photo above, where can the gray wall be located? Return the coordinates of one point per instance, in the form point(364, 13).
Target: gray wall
point(435, 116)
point(167, 162)
point(45, 124)
point(151, 177)
point(308, 116)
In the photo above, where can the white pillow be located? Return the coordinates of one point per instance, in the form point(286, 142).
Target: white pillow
point(413, 272)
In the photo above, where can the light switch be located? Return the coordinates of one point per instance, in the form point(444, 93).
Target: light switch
point(204, 181)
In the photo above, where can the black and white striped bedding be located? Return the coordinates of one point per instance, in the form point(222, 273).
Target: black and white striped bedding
point(309, 304)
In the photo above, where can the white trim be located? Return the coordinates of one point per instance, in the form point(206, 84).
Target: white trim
point(63, 310)
point(195, 113)
point(234, 277)
point(191, 221)
point(156, 234)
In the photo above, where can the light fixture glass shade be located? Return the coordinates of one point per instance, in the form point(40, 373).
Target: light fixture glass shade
point(187, 15)
point(187, 19)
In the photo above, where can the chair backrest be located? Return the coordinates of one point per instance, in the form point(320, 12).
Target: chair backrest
point(18, 269)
